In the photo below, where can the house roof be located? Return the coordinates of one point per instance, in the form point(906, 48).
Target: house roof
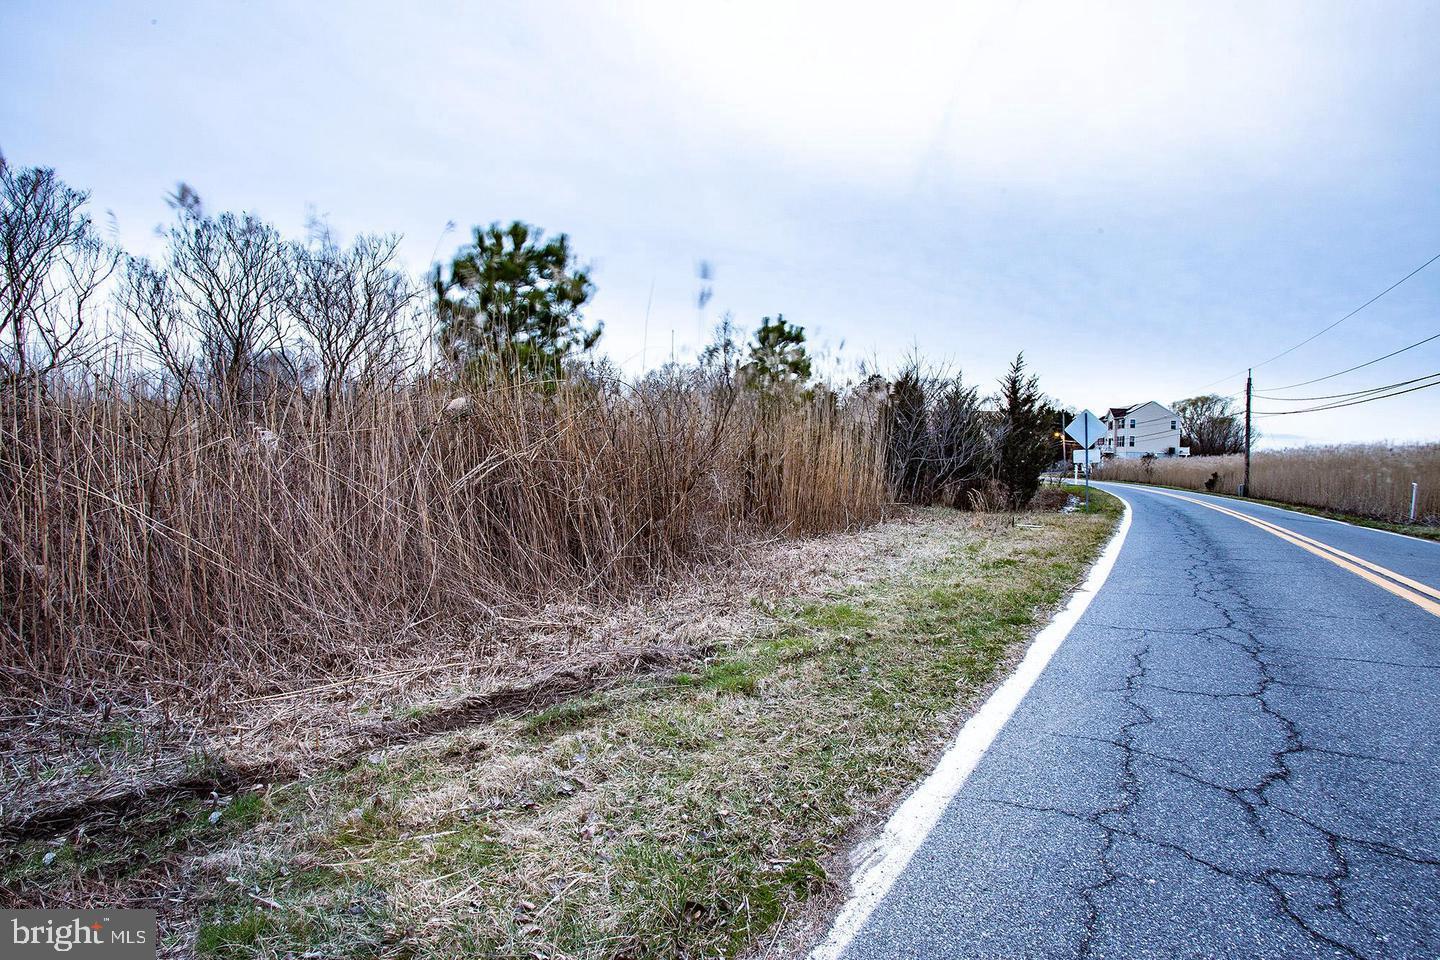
point(1116, 412)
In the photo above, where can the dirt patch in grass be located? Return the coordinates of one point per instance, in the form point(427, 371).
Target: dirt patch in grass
point(206, 776)
point(685, 812)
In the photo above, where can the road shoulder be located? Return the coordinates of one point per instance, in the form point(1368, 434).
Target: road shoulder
point(693, 810)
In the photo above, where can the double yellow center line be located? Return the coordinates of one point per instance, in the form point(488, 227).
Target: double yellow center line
point(1422, 595)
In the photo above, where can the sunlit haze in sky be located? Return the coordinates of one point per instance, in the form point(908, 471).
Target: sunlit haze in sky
point(1144, 198)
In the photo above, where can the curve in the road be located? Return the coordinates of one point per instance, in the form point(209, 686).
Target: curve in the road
point(1383, 577)
point(1233, 754)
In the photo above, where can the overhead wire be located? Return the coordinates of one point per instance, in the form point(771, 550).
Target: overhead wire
point(1351, 403)
point(1327, 329)
point(1358, 366)
point(1352, 393)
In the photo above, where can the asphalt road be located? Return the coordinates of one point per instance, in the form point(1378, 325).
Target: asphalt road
point(1233, 754)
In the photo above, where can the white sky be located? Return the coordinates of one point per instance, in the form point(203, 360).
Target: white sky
point(1143, 197)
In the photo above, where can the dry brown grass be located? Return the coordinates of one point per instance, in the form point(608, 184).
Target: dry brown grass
point(165, 547)
point(687, 813)
point(1365, 480)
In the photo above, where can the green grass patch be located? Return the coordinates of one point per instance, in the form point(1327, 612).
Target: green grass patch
point(836, 616)
point(563, 716)
point(321, 917)
point(733, 676)
point(120, 737)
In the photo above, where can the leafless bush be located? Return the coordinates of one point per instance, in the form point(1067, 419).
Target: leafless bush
point(52, 269)
point(1049, 497)
point(213, 311)
point(352, 305)
point(989, 497)
point(938, 447)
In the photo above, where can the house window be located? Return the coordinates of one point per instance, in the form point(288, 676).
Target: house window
point(1132, 441)
point(1132, 423)
point(1172, 424)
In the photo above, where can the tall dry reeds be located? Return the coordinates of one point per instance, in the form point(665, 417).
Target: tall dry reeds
point(1366, 480)
point(163, 540)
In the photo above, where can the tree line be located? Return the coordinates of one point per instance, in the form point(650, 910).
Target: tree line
point(233, 312)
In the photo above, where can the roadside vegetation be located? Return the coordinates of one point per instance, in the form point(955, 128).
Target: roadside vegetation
point(252, 463)
point(687, 812)
point(1361, 482)
point(271, 506)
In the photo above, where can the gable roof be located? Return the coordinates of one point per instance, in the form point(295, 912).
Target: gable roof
point(1120, 413)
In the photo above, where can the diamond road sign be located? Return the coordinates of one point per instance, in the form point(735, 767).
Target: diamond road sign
point(1086, 429)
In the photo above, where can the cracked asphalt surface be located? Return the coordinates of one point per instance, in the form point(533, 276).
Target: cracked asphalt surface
point(1233, 754)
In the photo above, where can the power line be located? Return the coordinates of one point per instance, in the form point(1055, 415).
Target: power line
point(1331, 376)
point(1352, 393)
point(1332, 326)
point(1351, 403)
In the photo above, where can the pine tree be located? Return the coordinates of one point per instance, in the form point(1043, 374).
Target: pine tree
point(515, 299)
point(778, 360)
point(1022, 442)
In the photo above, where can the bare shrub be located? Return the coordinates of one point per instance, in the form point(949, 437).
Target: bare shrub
point(938, 448)
point(1049, 497)
point(351, 305)
point(52, 268)
point(990, 497)
point(212, 312)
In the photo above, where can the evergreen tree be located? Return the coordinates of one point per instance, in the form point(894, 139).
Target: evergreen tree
point(1022, 437)
point(514, 298)
point(778, 360)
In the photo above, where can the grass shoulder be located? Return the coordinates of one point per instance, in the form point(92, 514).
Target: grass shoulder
point(677, 815)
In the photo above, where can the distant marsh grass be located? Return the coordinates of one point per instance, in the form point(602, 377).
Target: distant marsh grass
point(1365, 480)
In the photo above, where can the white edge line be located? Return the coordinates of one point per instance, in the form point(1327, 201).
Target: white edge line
point(883, 859)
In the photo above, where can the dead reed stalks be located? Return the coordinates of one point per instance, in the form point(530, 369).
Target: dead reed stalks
point(154, 540)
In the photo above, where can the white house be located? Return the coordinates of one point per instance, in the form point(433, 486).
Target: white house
point(1132, 432)
point(1148, 427)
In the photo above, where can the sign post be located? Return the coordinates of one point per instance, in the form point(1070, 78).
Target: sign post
point(1085, 429)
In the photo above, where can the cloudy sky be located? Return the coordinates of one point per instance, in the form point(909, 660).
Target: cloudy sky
point(1145, 198)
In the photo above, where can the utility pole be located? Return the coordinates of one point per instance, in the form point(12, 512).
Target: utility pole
point(1245, 489)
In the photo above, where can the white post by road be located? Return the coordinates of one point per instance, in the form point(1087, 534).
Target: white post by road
point(1414, 495)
